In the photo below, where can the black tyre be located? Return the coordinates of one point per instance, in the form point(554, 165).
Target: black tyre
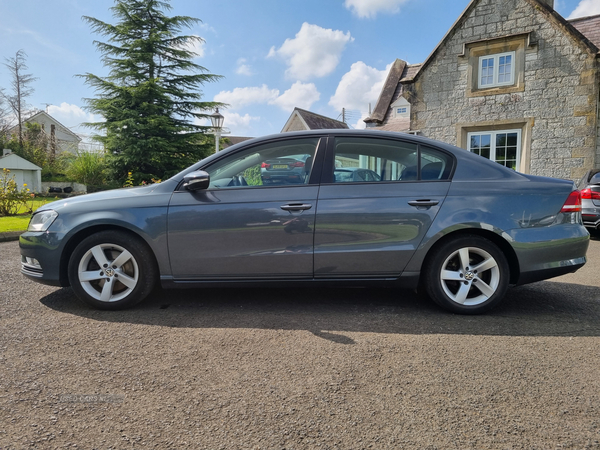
point(112, 270)
point(467, 275)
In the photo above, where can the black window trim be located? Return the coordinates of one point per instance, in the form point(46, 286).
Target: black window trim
point(328, 165)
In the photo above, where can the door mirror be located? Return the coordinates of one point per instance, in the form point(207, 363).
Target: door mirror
point(197, 180)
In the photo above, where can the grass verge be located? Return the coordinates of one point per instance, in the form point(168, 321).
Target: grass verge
point(20, 222)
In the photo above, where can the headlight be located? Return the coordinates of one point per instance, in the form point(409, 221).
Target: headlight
point(42, 220)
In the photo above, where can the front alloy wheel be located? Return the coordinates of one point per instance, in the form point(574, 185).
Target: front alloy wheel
point(111, 270)
point(468, 275)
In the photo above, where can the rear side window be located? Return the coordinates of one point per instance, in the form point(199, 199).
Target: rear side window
point(371, 160)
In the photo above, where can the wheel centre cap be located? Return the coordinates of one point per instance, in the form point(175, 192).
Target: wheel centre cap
point(110, 272)
point(469, 276)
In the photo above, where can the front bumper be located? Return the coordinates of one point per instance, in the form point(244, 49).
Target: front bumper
point(41, 257)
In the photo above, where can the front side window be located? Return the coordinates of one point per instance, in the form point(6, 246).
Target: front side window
point(504, 147)
point(359, 160)
point(497, 70)
point(282, 163)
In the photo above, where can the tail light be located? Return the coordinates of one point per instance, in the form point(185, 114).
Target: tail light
point(573, 203)
point(588, 194)
point(297, 164)
point(265, 166)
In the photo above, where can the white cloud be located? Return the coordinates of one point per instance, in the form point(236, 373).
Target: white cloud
point(243, 68)
point(315, 52)
point(238, 124)
point(302, 95)
point(370, 8)
point(72, 116)
point(240, 97)
point(359, 87)
point(586, 8)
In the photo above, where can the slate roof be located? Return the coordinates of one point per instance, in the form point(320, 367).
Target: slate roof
point(319, 122)
point(589, 27)
point(234, 140)
point(400, 73)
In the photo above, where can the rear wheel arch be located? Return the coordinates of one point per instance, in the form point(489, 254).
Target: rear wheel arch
point(499, 241)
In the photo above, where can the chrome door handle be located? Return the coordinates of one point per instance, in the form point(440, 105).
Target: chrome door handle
point(425, 203)
point(296, 207)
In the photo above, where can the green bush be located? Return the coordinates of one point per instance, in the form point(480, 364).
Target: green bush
point(11, 197)
point(87, 168)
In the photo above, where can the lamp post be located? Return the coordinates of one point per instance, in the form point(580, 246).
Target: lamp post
point(217, 123)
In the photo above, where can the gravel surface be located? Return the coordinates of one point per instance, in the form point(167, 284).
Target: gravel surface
point(272, 369)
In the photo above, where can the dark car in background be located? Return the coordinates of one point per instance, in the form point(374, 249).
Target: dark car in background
point(289, 170)
point(439, 218)
point(590, 200)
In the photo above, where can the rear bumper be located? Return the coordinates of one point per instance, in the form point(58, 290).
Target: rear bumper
point(549, 252)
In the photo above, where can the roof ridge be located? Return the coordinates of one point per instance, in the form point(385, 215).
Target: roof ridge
point(583, 18)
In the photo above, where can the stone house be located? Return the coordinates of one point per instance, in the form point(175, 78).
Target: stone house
point(512, 80)
point(301, 120)
point(58, 135)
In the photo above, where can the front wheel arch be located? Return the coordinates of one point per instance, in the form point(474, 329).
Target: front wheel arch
point(112, 270)
point(76, 239)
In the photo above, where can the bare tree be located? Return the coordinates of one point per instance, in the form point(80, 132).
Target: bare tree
point(20, 87)
point(4, 120)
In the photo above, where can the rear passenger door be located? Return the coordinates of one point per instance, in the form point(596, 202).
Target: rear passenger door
point(371, 226)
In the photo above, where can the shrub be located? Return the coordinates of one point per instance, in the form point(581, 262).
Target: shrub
point(87, 168)
point(11, 197)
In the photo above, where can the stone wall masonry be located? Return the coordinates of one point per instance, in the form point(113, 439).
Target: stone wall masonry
point(561, 90)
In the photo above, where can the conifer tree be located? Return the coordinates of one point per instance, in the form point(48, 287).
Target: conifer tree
point(151, 95)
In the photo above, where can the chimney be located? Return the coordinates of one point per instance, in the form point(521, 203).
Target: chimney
point(6, 151)
point(550, 3)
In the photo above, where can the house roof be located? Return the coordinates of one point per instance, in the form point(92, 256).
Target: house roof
point(315, 121)
point(589, 27)
point(234, 140)
point(387, 92)
point(49, 117)
point(13, 161)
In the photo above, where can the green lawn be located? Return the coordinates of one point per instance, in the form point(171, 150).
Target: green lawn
point(20, 222)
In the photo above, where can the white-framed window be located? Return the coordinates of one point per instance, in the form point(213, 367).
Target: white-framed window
point(401, 108)
point(497, 70)
point(503, 146)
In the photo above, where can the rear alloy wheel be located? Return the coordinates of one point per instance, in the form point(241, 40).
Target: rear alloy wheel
point(112, 270)
point(467, 275)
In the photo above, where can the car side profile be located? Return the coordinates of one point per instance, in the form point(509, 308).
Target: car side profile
point(435, 217)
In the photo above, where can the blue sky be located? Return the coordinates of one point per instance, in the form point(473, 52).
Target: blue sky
point(322, 55)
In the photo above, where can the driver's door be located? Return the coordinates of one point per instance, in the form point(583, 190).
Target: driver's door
point(246, 225)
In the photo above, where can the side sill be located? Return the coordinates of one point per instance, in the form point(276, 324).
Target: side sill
point(405, 281)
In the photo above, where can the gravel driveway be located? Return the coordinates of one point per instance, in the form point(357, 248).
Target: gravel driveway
point(304, 369)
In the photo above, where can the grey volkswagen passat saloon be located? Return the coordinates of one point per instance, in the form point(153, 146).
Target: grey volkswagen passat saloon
point(437, 217)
